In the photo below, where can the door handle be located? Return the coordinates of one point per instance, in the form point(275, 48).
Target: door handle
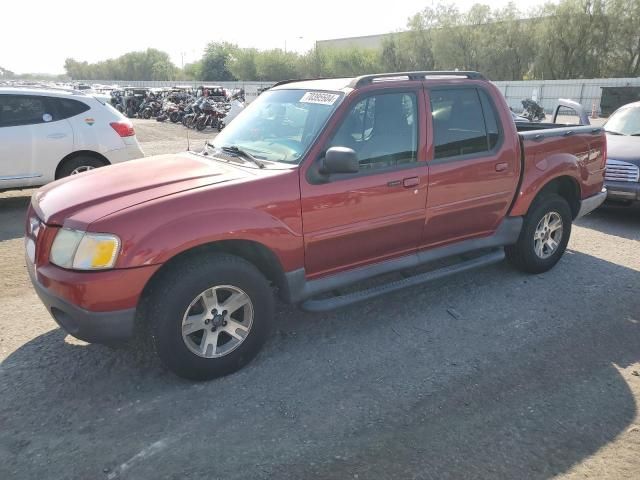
point(410, 182)
point(502, 166)
point(56, 136)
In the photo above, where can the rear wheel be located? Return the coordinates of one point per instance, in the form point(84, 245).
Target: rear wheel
point(174, 117)
point(201, 124)
point(210, 317)
point(79, 164)
point(544, 236)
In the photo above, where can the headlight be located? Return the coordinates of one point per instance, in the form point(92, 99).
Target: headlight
point(84, 251)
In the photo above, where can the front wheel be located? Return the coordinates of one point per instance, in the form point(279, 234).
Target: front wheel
point(544, 236)
point(210, 316)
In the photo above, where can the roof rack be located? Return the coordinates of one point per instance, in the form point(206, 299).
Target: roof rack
point(291, 80)
point(367, 79)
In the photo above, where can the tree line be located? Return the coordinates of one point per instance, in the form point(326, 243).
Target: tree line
point(568, 39)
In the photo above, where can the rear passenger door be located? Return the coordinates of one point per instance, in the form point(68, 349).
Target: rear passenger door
point(472, 179)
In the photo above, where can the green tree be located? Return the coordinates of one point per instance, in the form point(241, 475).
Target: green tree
point(242, 64)
point(572, 39)
point(624, 34)
point(275, 65)
point(193, 71)
point(6, 74)
point(150, 64)
point(215, 62)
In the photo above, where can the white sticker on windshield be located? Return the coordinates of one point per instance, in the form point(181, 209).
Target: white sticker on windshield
point(321, 98)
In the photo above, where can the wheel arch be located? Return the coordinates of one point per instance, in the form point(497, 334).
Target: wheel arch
point(565, 186)
point(263, 258)
point(78, 153)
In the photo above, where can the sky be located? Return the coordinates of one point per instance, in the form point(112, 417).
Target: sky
point(36, 36)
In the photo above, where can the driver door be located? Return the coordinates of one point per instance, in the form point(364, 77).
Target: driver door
point(379, 212)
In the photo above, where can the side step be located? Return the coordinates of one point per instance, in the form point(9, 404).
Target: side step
point(340, 301)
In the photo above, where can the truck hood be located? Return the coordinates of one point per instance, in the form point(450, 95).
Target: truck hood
point(624, 148)
point(79, 200)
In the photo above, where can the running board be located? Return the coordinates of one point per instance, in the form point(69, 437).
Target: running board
point(340, 301)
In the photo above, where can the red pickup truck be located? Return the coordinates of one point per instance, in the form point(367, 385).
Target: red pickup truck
point(317, 186)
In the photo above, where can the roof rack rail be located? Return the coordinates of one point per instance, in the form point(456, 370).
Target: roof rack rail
point(367, 79)
point(291, 80)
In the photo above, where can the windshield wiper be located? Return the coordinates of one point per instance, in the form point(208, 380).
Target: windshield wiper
point(613, 132)
point(242, 153)
point(237, 153)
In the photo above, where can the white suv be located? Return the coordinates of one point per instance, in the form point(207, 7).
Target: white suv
point(46, 134)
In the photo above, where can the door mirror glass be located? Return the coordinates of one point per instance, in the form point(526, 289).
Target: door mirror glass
point(340, 160)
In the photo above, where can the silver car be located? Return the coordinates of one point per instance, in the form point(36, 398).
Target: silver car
point(622, 177)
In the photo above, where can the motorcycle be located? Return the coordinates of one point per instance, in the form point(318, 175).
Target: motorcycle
point(533, 111)
point(150, 108)
point(211, 116)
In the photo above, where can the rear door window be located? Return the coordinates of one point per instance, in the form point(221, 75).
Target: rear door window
point(18, 110)
point(464, 122)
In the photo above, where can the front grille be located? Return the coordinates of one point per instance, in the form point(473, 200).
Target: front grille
point(618, 171)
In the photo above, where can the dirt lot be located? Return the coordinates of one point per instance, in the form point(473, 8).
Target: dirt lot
point(493, 374)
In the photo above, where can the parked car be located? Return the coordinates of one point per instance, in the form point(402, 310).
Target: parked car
point(365, 182)
point(48, 134)
point(622, 177)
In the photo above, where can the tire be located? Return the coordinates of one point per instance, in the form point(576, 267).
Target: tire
point(79, 164)
point(201, 124)
point(172, 298)
point(523, 254)
point(146, 114)
point(174, 117)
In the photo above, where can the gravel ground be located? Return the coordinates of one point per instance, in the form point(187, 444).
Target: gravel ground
point(492, 374)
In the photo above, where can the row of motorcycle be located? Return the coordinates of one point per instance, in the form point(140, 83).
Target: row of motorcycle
point(199, 112)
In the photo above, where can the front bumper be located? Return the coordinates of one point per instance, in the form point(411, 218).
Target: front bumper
point(626, 191)
point(589, 204)
point(95, 327)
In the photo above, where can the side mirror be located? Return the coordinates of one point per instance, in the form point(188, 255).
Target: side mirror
point(340, 160)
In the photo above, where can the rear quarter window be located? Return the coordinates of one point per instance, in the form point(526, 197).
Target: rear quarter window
point(67, 108)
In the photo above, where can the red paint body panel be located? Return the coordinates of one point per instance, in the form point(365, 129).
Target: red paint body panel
point(368, 218)
point(579, 156)
point(162, 206)
point(97, 291)
point(468, 197)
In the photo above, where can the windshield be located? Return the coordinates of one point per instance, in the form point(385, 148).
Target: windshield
point(280, 124)
point(625, 121)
